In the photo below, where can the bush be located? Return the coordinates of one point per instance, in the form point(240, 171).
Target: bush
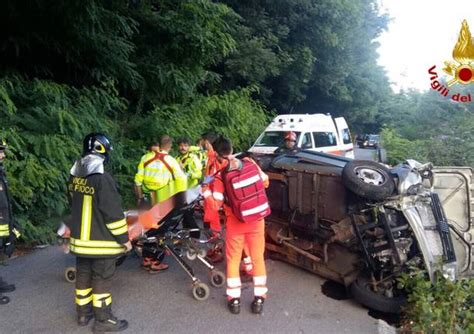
point(44, 124)
point(399, 149)
point(440, 307)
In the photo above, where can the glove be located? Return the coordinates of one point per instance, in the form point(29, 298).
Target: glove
point(208, 179)
point(128, 246)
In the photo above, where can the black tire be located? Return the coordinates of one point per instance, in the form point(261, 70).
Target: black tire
point(4, 300)
point(217, 279)
point(362, 292)
point(70, 275)
point(201, 291)
point(368, 179)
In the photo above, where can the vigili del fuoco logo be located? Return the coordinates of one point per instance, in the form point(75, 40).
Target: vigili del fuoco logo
point(460, 71)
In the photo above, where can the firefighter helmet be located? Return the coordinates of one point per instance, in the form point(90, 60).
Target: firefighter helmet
point(97, 143)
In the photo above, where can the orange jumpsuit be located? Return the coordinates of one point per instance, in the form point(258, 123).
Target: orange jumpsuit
point(213, 166)
point(239, 234)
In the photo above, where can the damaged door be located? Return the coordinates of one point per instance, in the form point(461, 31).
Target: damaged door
point(454, 186)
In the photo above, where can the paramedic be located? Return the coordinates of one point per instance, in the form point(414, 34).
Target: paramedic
point(211, 217)
point(99, 234)
point(144, 180)
point(239, 234)
point(189, 161)
point(289, 146)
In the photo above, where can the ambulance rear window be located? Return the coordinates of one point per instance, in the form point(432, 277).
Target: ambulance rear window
point(273, 138)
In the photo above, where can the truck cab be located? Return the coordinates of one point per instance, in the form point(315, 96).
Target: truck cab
point(315, 132)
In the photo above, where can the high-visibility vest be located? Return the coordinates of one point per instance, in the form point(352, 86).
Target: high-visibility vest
point(150, 174)
point(191, 165)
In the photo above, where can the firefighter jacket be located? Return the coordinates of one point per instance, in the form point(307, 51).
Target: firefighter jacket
point(97, 224)
point(192, 166)
point(7, 228)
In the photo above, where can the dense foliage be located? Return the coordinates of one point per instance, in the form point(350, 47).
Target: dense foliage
point(428, 127)
point(440, 307)
point(138, 69)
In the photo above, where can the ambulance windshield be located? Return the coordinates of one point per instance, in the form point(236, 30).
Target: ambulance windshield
point(273, 138)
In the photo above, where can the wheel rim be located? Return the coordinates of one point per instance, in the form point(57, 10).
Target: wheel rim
point(202, 253)
point(191, 255)
point(217, 280)
point(200, 292)
point(370, 175)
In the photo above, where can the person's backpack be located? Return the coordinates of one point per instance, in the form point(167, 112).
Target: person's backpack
point(245, 192)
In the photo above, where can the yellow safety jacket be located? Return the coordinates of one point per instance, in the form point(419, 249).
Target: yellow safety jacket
point(98, 226)
point(202, 155)
point(192, 166)
point(162, 174)
point(147, 174)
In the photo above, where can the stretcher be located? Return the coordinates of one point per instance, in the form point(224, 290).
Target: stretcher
point(159, 230)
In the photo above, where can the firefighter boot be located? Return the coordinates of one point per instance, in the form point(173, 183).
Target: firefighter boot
point(84, 315)
point(234, 305)
point(105, 321)
point(257, 305)
point(5, 287)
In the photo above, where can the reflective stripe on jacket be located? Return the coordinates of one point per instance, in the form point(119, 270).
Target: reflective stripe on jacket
point(215, 195)
point(98, 227)
point(176, 179)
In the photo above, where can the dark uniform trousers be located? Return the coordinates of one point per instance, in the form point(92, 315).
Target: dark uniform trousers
point(93, 283)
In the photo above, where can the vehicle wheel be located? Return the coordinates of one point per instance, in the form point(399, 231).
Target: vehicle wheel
point(70, 274)
point(4, 300)
point(217, 279)
point(191, 254)
point(362, 291)
point(201, 291)
point(202, 252)
point(368, 179)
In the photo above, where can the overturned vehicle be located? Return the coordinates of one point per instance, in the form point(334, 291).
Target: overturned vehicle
point(361, 224)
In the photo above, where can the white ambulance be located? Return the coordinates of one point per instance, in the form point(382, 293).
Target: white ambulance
point(315, 132)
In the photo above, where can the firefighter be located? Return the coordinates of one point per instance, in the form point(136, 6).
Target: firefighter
point(238, 233)
point(8, 229)
point(289, 146)
point(99, 234)
point(144, 181)
point(189, 162)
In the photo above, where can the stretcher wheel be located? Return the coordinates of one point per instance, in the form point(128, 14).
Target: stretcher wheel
point(191, 254)
point(4, 300)
point(70, 274)
point(202, 252)
point(217, 279)
point(201, 291)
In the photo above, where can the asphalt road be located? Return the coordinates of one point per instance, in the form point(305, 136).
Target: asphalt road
point(44, 301)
